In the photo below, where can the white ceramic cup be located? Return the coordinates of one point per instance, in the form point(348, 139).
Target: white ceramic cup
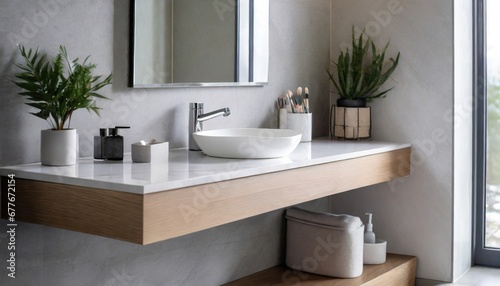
point(375, 253)
point(282, 117)
point(301, 122)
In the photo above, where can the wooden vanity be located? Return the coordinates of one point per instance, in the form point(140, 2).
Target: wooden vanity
point(144, 203)
point(193, 192)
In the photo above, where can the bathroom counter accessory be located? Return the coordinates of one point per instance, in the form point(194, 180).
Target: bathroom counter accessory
point(339, 237)
point(144, 202)
point(398, 270)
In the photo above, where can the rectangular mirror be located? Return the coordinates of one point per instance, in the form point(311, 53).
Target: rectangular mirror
point(187, 43)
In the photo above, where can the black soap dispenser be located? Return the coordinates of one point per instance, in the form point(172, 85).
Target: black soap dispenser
point(99, 144)
point(113, 144)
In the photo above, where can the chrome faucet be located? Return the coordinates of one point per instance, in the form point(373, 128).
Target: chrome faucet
point(196, 118)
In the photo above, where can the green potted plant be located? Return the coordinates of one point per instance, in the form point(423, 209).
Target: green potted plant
point(362, 72)
point(57, 88)
point(360, 75)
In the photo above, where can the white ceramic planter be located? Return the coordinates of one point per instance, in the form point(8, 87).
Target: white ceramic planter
point(58, 147)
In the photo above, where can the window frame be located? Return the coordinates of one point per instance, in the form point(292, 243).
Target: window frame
point(482, 255)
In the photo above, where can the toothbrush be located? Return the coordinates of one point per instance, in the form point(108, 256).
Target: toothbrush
point(288, 104)
point(299, 96)
point(299, 91)
point(306, 101)
point(291, 99)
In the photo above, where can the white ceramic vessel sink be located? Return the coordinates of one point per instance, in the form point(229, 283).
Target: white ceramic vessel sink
point(248, 143)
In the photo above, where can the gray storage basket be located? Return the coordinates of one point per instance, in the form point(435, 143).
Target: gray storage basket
point(325, 244)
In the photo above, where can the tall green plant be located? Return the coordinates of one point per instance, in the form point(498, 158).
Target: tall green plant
point(59, 87)
point(361, 73)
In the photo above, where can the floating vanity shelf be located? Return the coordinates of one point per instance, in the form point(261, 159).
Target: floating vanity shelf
point(398, 270)
point(145, 203)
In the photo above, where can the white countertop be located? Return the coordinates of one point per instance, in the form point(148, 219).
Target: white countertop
point(189, 168)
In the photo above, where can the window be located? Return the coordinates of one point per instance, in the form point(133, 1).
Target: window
point(487, 132)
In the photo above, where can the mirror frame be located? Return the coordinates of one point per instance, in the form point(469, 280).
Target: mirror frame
point(258, 50)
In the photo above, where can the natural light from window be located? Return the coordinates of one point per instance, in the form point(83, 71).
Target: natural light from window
point(492, 235)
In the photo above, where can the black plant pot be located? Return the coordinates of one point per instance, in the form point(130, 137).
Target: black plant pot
point(358, 102)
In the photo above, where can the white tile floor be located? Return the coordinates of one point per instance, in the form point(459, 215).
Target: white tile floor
point(478, 276)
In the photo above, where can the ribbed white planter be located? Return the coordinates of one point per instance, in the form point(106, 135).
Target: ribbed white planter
point(58, 147)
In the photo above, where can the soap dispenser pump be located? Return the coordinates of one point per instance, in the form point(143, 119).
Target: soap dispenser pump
point(369, 234)
point(113, 144)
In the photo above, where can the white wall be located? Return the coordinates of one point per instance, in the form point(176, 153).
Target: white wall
point(429, 213)
point(49, 256)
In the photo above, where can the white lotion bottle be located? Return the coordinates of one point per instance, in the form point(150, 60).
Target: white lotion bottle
point(369, 234)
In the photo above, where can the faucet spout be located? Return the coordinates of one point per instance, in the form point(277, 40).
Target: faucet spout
point(210, 115)
point(196, 119)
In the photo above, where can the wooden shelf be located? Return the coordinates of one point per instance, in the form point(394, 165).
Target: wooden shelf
point(398, 270)
point(149, 218)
